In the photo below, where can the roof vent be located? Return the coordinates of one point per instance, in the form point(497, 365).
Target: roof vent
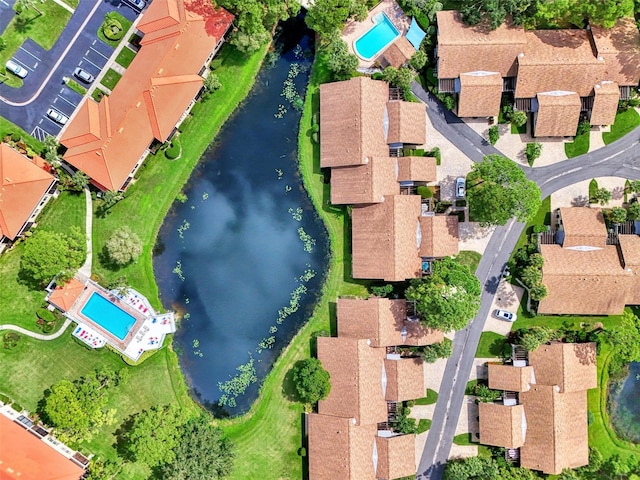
point(521, 55)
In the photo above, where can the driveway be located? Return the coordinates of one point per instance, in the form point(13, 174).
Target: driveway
point(44, 87)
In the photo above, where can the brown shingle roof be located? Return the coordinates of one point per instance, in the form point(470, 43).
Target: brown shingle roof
point(340, 449)
point(558, 114)
point(396, 457)
point(381, 320)
point(501, 425)
point(351, 121)
point(22, 186)
point(356, 379)
point(463, 49)
point(398, 54)
point(439, 236)
point(583, 226)
point(605, 103)
point(407, 122)
point(558, 60)
point(557, 436)
point(385, 239)
point(405, 379)
point(417, 169)
point(367, 183)
point(510, 378)
point(630, 248)
point(480, 94)
point(107, 140)
point(570, 366)
point(620, 47)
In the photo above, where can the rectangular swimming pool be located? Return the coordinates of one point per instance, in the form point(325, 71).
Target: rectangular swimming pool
point(108, 315)
point(377, 38)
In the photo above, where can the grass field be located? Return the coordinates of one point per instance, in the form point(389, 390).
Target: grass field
point(491, 345)
point(111, 79)
point(624, 123)
point(579, 146)
point(469, 258)
point(125, 57)
point(273, 415)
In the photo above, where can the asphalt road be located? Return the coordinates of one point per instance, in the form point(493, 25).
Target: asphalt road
point(621, 159)
point(44, 87)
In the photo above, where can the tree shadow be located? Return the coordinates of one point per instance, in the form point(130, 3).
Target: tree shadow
point(491, 285)
point(121, 443)
point(288, 385)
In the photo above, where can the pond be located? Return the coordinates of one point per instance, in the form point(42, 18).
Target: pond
point(244, 257)
point(624, 407)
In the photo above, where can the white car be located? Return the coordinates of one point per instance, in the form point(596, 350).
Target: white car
point(83, 75)
point(57, 117)
point(460, 187)
point(504, 315)
point(137, 4)
point(16, 69)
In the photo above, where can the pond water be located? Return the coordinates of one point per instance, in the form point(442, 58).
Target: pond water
point(247, 243)
point(625, 405)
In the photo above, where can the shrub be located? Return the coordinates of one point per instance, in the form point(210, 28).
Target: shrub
point(112, 29)
point(449, 102)
point(633, 211)
point(618, 215)
point(174, 149)
point(4, 399)
point(17, 407)
point(532, 152)
point(382, 291)
point(425, 192)
point(10, 340)
point(583, 128)
point(46, 315)
point(434, 153)
point(519, 118)
point(494, 134)
point(539, 228)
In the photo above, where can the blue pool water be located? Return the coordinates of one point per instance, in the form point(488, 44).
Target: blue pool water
point(109, 316)
point(376, 38)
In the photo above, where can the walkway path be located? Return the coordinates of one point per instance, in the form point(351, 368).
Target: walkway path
point(621, 159)
point(85, 269)
point(39, 336)
point(65, 6)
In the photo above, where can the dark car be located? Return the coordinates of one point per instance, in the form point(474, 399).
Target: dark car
point(83, 75)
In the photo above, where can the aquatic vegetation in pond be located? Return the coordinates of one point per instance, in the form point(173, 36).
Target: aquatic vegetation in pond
point(237, 385)
point(296, 214)
point(282, 110)
point(183, 228)
point(178, 270)
point(307, 240)
point(205, 195)
point(279, 172)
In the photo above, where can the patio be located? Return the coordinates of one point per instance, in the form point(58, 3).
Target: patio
point(354, 30)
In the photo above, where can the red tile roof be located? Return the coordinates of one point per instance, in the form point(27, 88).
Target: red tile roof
point(22, 186)
point(64, 296)
point(25, 457)
point(108, 139)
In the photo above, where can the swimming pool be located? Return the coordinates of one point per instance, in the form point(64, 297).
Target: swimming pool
point(108, 315)
point(377, 38)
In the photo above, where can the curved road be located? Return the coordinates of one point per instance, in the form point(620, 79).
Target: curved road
point(619, 159)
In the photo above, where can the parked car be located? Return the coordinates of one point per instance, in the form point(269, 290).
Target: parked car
point(83, 75)
point(137, 4)
point(460, 187)
point(16, 69)
point(504, 315)
point(505, 271)
point(57, 117)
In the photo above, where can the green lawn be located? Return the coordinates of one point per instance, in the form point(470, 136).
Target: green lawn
point(579, 146)
point(469, 258)
point(125, 57)
point(110, 79)
point(464, 439)
point(542, 217)
point(519, 130)
point(43, 29)
point(431, 398)
point(424, 424)
point(624, 123)
point(126, 24)
point(59, 215)
point(491, 345)
point(273, 416)
point(76, 87)
point(8, 128)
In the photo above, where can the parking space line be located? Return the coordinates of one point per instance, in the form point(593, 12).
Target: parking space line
point(28, 52)
point(98, 67)
point(22, 64)
point(106, 58)
point(70, 103)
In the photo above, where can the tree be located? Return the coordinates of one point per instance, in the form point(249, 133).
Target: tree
point(418, 60)
point(249, 43)
point(519, 118)
point(533, 152)
point(531, 276)
point(497, 189)
point(211, 84)
point(634, 186)
point(47, 254)
point(633, 211)
point(203, 453)
point(51, 147)
point(103, 469)
point(618, 215)
point(312, 382)
point(399, 77)
point(448, 298)
point(340, 62)
point(538, 292)
point(327, 16)
point(472, 468)
point(493, 12)
point(431, 353)
point(602, 196)
point(534, 337)
point(494, 134)
point(626, 338)
point(109, 199)
point(79, 180)
point(485, 394)
point(124, 246)
point(155, 434)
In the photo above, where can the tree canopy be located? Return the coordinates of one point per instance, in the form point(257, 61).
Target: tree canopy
point(78, 409)
point(448, 298)
point(327, 16)
point(47, 254)
point(312, 382)
point(123, 246)
point(497, 190)
point(203, 453)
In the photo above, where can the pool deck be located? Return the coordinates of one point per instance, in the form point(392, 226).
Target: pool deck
point(147, 333)
point(354, 30)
